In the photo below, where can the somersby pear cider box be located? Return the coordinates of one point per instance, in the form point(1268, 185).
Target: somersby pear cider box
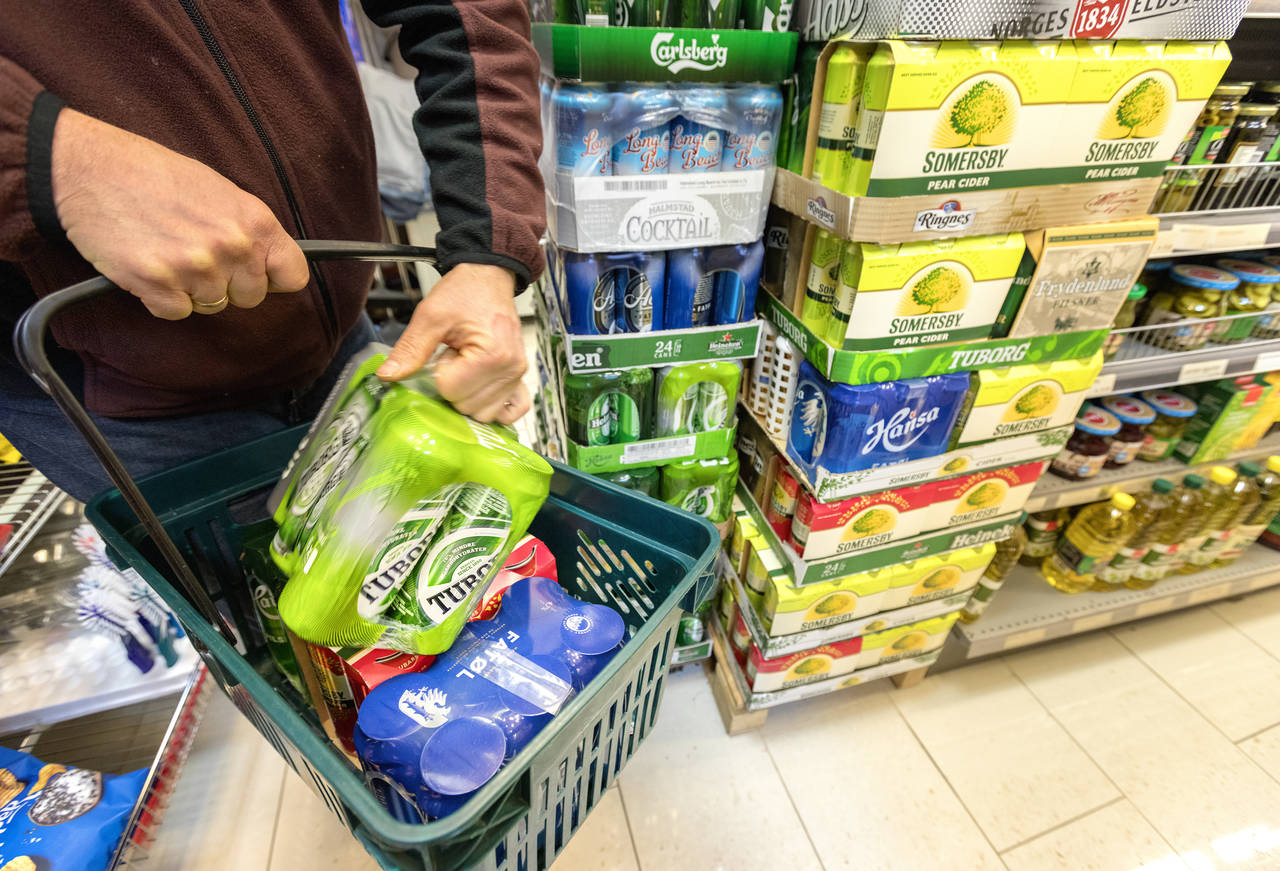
point(1132, 101)
point(960, 115)
point(788, 610)
point(881, 648)
point(934, 577)
point(797, 669)
point(1015, 400)
point(917, 293)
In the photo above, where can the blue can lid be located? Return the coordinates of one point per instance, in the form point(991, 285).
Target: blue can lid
point(1097, 421)
point(592, 629)
point(1157, 265)
point(1248, 270)
point(1168, 403)
point(462, 755)
point(1204, 277)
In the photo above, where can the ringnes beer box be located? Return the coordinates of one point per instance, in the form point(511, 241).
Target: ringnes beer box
point(1026, 19)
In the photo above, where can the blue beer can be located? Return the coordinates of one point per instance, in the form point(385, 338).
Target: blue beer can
point(698, 132)
point(690, 290)
point(582, 116)
point(639, 283)
point(589, 294)
point(753, 141)
point(642, 118)
point(736, 284)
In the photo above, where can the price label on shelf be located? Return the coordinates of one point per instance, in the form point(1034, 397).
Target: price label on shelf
point(1103, 385)
point(1268, 362)
point(666, 449)
point(1204, 371)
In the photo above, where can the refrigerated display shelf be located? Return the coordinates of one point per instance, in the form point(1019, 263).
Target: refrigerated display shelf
point(1028, 611)
point(27, 499)
point(1054, 492)
point(1149, 367)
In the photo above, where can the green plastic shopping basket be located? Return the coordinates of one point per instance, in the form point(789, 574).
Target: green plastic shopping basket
point(180, 531)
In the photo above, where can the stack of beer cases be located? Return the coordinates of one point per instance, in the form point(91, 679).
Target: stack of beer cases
point(660, 154)
point(937, 289)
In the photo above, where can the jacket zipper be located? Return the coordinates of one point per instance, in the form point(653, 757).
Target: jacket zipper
point(220, 58)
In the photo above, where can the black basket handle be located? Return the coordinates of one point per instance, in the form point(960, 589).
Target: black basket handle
point(29, 344)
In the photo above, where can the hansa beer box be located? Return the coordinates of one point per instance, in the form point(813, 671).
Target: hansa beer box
point(1016, 400)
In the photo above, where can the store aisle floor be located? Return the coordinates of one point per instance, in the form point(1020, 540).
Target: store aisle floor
point(1150, 747)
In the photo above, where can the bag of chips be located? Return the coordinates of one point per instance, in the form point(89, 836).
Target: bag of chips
point(54, 818)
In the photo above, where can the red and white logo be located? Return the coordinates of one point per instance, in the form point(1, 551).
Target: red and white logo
point(1098, 19)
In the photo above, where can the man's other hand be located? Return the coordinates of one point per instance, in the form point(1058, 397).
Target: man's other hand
point(472, 310)
point(166, 228)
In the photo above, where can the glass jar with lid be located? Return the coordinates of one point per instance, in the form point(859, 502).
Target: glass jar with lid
point(1243, 145)
point(1124, 319)
point(1154, 274)
point(1085, 453)
point(1134, 415)
point(1162, 435)
point(1268, 323)
point(1194, 294)
point(1203, 143)
point(1257, 282)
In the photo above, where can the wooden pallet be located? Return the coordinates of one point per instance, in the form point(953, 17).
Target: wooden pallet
point(728, 695)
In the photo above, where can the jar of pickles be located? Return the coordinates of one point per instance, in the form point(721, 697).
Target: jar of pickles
point(1202, 144)
point(1194, 294)
point(1154, 274)
point(1086, 452)
point(1124, 319)
point(1134, 415)
point(1257, 282)
point(1162, 435)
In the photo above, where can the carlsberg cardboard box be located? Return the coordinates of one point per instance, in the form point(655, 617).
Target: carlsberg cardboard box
point(1016, 400)
point(1132, 102)
point(918, 293)
point(956, 116)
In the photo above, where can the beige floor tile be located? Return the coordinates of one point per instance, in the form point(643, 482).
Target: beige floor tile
point(867, 792)
point(223, 811)
point(602, 843)
point(1264, 749)
point(1016, 770)
point(1220, 671)
point(1114, 838)
point(699, 800)
point(1256, 615)
point(1199, 791)
point(309, 836)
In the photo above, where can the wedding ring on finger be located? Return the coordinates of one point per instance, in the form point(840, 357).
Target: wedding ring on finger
point(209, 308)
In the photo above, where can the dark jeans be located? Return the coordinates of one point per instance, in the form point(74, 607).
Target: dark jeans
point(36, 426)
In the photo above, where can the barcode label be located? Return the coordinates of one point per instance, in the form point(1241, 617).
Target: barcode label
point(636, 184)
point(667, 449)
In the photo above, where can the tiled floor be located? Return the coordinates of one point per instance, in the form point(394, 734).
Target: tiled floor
point(1152, 747)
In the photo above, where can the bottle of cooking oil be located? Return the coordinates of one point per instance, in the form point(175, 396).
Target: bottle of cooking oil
point(1247, 532)
point(1242, 498)
point(1091, 539)
point(1042, 529)
point(1217, 509)
point(1149, 511)
point(1165, 552)
point(1007, 554)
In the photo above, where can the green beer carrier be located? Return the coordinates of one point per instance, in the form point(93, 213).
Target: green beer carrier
point(181, 531)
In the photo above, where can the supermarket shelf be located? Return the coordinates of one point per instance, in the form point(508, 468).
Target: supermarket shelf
point(1263, 9)
point(26, 501)
point(1190, 234)
point(1155, 367)
point(1028, 611)
point(1054, 492)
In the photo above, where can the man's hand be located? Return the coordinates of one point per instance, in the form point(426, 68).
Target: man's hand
point(471, 309)
point(166, 228)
